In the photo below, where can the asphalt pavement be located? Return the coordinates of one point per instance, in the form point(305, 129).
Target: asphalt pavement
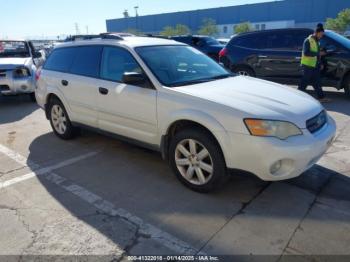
point(102, 197)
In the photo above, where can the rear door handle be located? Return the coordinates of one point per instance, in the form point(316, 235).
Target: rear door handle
point(262, 56)
point(298, 57)
point(103, 91)
point(64, 82)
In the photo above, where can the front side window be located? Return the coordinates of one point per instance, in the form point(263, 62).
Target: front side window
point(116, 62)
point(87, 61)
point(180, 65)
point(14, 49)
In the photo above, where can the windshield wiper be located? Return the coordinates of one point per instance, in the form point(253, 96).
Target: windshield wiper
point(202, 80)
point(190, 82)
point(222, 76)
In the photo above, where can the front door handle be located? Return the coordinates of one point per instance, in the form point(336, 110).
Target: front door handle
point(64, 82)
point(262, 56)
point(103, 91)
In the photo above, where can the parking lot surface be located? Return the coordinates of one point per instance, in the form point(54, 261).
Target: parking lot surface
point(98, 196)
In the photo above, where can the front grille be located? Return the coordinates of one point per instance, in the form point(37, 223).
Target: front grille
point(4, 88)
point(317, 122)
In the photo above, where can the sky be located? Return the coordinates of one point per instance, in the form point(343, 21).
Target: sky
point(51, 18)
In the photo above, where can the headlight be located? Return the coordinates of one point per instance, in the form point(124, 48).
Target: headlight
point(21, 72)
point(272, 128)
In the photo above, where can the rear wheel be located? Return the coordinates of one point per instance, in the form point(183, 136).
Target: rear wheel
point(197, 160)
point(60, 121)
point(243, 71)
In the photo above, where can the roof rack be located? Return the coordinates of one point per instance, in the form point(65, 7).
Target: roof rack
point(111, 36)
point(89, 37)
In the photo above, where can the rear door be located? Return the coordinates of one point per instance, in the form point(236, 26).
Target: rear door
point(73, 71)
point(80, 87)
point(282, 55)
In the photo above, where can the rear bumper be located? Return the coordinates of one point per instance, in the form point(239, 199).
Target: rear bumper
point(262, 156)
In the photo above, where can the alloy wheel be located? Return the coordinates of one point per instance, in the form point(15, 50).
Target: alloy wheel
point(243, 73)
point(59, 119)
point(194, 162)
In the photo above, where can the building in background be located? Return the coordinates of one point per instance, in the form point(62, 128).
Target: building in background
point(269, 15)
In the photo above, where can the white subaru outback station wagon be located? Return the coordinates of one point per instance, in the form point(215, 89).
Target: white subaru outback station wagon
point(170, 97)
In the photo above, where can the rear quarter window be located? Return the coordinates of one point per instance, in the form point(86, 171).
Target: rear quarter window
point(60, 60)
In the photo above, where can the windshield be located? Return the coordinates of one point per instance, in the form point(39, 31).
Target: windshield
point(339, 38)
point(180, 65)
point(13, 49)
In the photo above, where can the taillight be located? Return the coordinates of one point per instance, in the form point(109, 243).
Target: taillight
point(223, 52)
point(37, 74)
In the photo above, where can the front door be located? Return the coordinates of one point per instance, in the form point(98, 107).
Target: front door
point(127, 110)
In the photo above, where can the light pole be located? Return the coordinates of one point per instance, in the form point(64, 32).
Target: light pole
point(137, 17)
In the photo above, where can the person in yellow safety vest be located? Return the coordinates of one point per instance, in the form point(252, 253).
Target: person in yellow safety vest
point(311, 63)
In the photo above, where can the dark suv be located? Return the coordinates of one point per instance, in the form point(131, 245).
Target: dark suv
point(275, 55)
point(208, 45)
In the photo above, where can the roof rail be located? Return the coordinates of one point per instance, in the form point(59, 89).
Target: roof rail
point(111, 36)
point(89, 37)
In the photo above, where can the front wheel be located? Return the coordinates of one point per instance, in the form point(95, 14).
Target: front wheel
point(243, 71)
point(197, 160)
point(60, 121)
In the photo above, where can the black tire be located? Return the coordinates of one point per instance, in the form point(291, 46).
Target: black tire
point(70, 130)
point(347, 86)
point(243, 70)
point(32, 97)
point(219, 173)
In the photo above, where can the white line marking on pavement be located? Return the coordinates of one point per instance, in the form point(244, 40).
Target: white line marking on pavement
point(164, 238)
point(107, 207)
point(38, 171)
point(17, 157)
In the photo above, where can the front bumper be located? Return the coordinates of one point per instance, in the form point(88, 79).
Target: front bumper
point(262, 156)
point(13, 86)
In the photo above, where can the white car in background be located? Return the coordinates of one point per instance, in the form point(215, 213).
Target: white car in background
point(171, 97)
point(18, 65)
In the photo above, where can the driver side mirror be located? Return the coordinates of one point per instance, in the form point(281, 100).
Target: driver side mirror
point(37, 55)
point(136, 79)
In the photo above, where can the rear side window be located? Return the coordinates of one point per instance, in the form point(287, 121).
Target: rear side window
point(288, 40)
point(87, 61)
point(253, 41)
point(60, 60)
point(282, 41)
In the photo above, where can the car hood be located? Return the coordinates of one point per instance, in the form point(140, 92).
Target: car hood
point(257, 98)
point(11, 63)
